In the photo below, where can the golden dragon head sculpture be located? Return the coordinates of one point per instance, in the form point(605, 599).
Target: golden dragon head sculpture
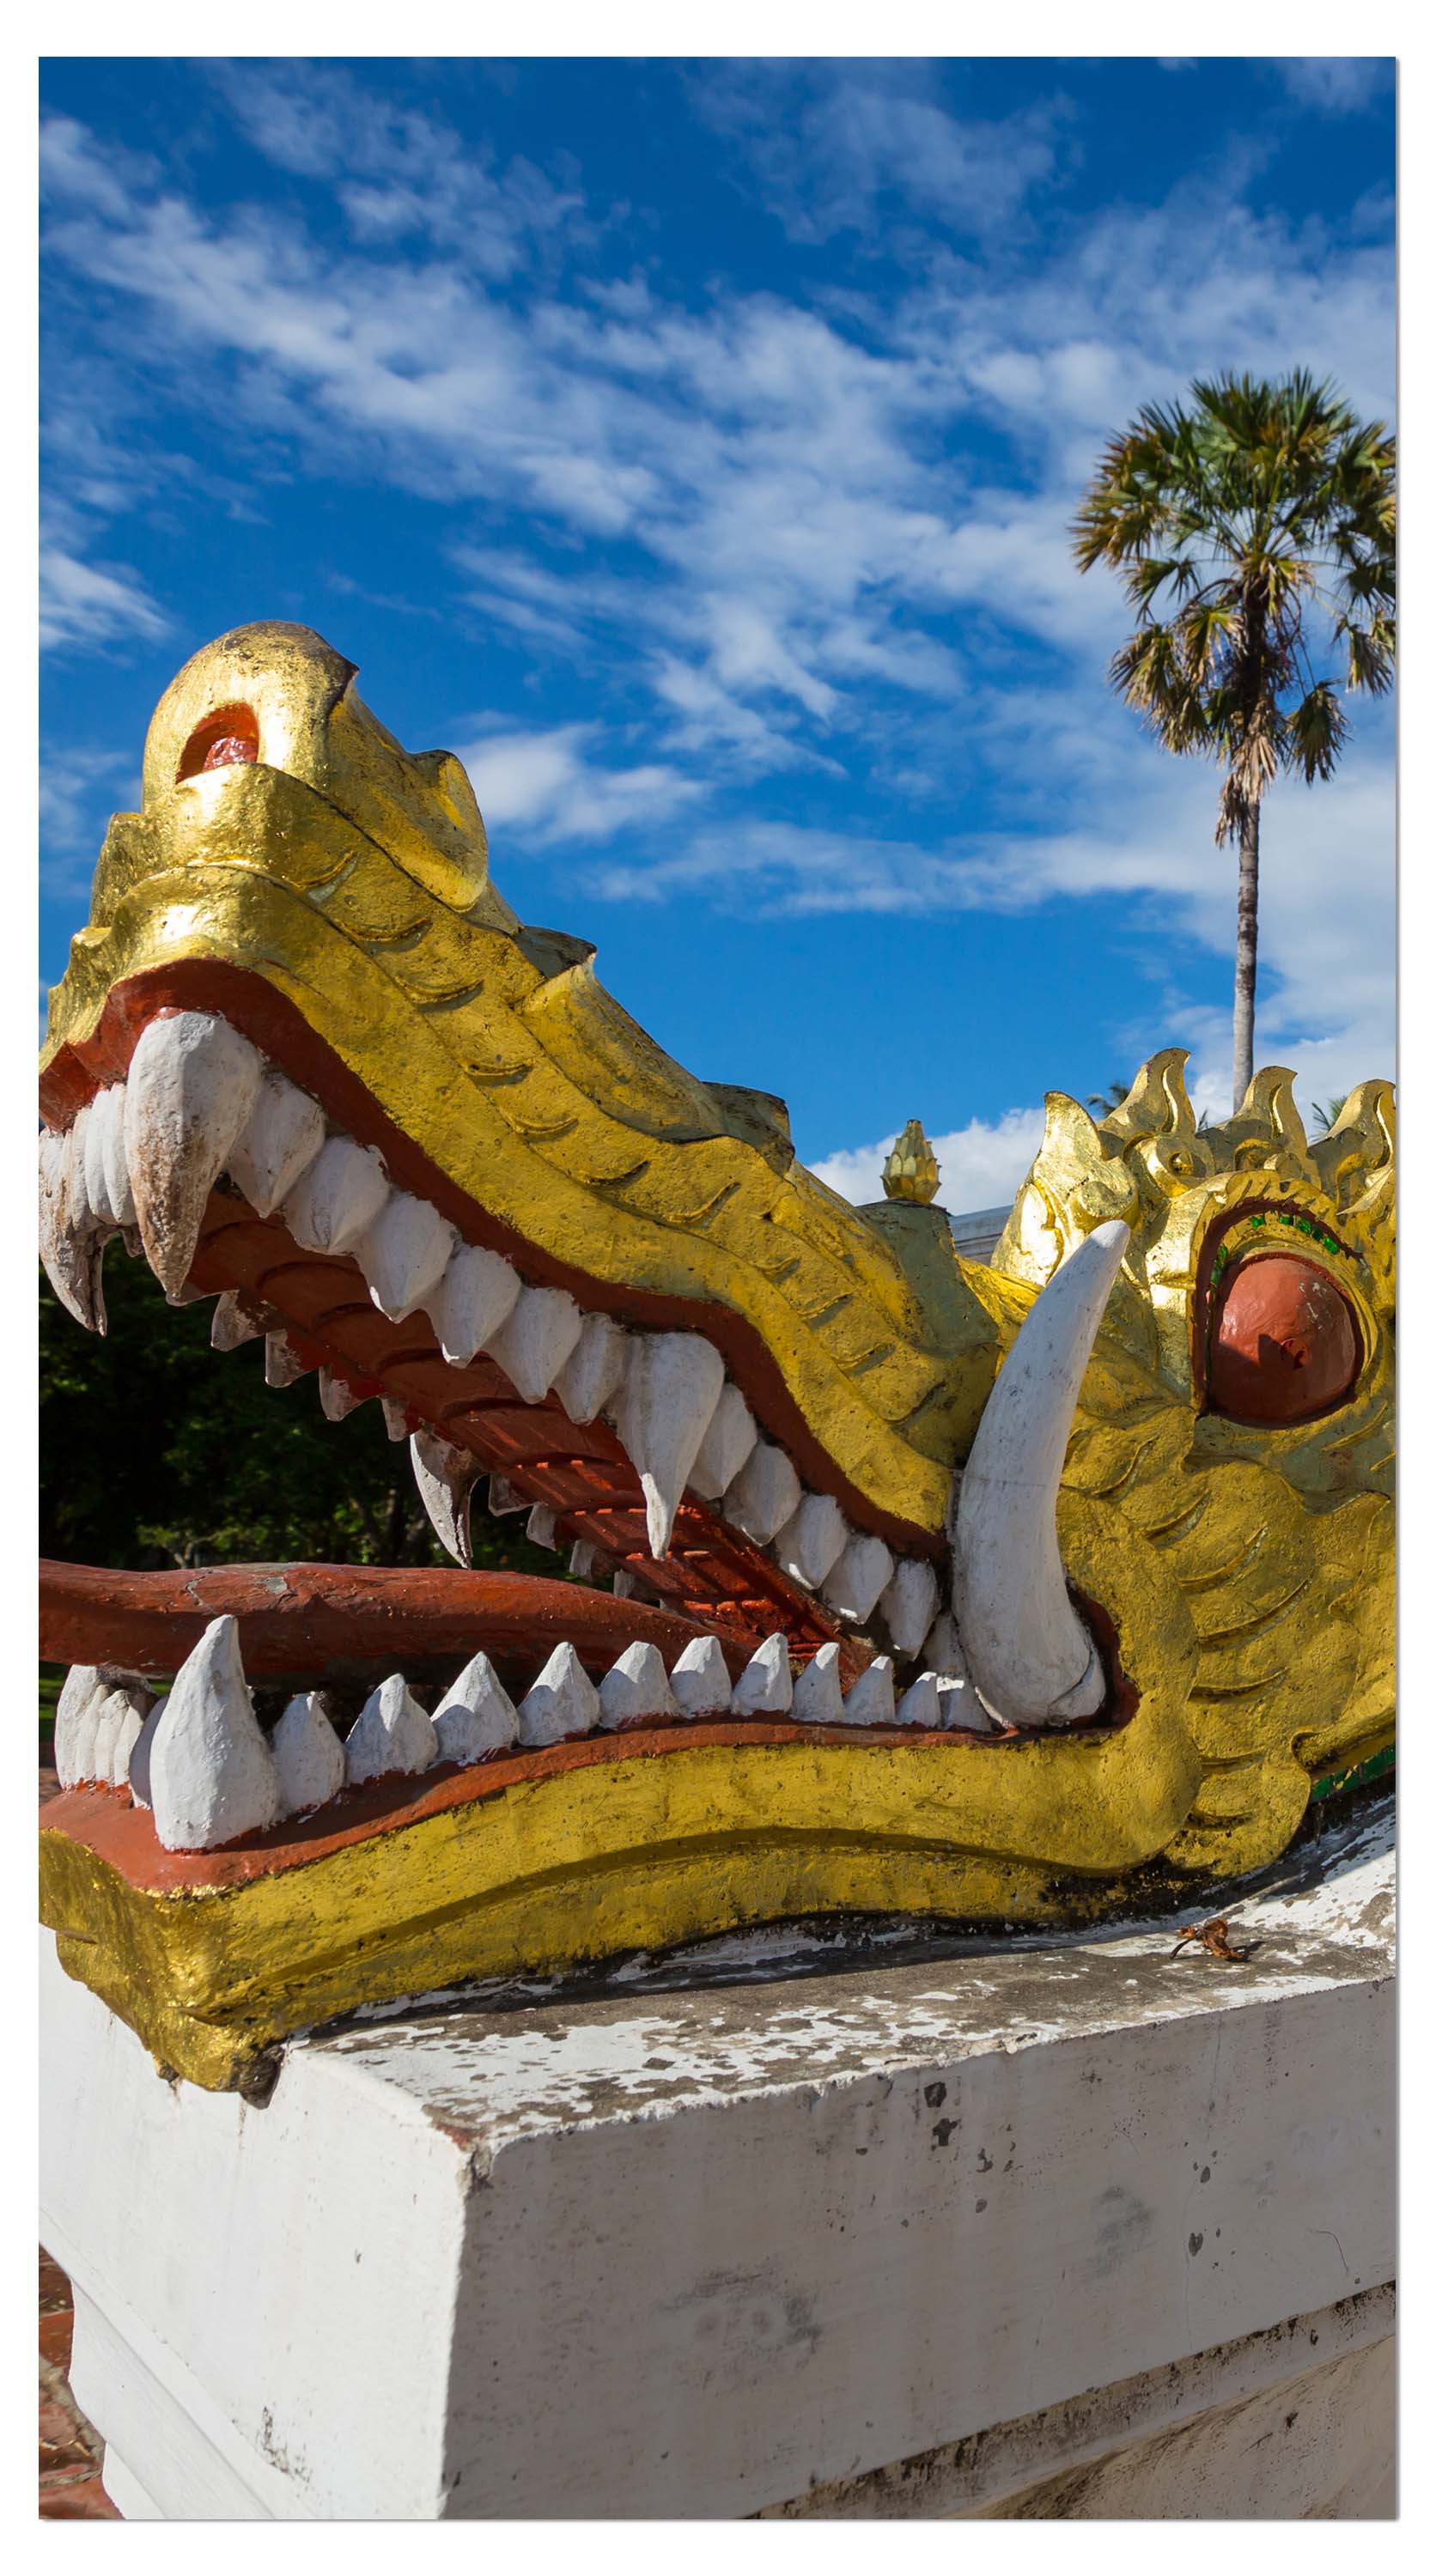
point(979, 1591)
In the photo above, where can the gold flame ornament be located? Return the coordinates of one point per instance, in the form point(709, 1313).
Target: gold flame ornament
point(911, 1170)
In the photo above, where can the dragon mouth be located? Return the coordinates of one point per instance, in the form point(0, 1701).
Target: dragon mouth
point(743, 1593)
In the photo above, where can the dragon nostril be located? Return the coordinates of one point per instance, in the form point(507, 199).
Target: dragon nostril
point(231, 734)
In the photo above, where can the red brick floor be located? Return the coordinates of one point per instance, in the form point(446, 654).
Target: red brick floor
point(71, 2451)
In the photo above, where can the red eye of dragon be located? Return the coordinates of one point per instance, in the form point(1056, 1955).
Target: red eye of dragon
point(230, 734)
point(1284, 1344)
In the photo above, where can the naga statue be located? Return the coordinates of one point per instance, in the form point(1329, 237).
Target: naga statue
point(1013, 1592)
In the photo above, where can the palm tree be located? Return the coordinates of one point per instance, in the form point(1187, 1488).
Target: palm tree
point(1263, 512)
point(1325, 1113)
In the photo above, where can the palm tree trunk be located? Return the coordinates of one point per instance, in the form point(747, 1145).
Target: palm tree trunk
point(1244, 1007)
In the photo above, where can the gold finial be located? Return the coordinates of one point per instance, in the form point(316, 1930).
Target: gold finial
point(911, 1171)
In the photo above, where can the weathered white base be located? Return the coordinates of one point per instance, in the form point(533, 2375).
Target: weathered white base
point(1025, 2229)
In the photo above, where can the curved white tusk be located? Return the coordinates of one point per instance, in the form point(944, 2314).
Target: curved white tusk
point(1030, 1655)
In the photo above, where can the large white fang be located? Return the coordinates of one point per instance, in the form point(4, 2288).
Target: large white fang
point(808, 1546)
point(404, 1254)
point(92, 1123)
point(476, 1717)
point(391, 1733)
point(532, 1345)
point(818, 1690)
point(72, 1254)
point(446, 1477)
point(562, 1701)
point(862, 1572)
point(478, 1292)
point(870, 1701)
point(635, 1689)
point(110, 1115)
point(909, 1604)
point(765, 1687)
point(764, 1495)
point(699, 1680)
point(340, 1195)
point(279, 1140)
point(308, 1756)
point(1030, 1654)
point(211, 1773)
point(670, 1387)
point(726, 1446)
point(594, 1370)
point(192, 1083)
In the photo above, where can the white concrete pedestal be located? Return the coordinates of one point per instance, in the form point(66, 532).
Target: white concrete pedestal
point(1018, 2228)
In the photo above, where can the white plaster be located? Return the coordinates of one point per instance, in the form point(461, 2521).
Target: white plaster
point(818, 1690)
point(562, 1701)
point(82, 1214)
point(308, 1756)
point(392, 1732)
point(699, 1680)
point(1029, 1652)
point(861, 1575)
point(137, 1706)
point(191, 1085)
point(504, 1497)
point(477, 1293)
point(95, 1117)
point(446, 1477)
point(671, 1384)
point(635, 1688)
point(808, 1546)
point(727, 1445)
point(282, 1363)
point(541, 1527)
point(142, 1753)
point(476, 1715)
point(586, 1561)
point(396, 1416)
point(404, 1253)
point(231, 1326)
point(281, 1137)
point(764, 1495)
point(594, 1369)
point(909, 1604)
point(532, 1344)
point(942, 1652)
point(72, 1258)
point(75, 1712)
point(118, 1193)
point(870, 1701)
point(764, 1688)
point(337, 1198)
point(337, 1399)
point(918, 1705)
point(211, 1773)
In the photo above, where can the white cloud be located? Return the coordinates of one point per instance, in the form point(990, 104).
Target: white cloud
point(86, 605)
point(1336, 84)
point(542, 784)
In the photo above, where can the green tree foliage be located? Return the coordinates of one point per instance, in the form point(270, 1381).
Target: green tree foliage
point(156, 1450)
point(1251, 530)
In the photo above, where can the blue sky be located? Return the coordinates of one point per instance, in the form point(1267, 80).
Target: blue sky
point(691, 447)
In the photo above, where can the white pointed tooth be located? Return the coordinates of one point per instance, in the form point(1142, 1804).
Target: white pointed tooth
point(83, 1216)
point(211, 1773)
point(505, 1498)
point(78, 1693)
point(233, 1322)
point(282, 1363)
point(585, 1561)
point(476, 1716)
point(446, 1477)
point(818, 1690)
point(333, 1202)
point(308, 1756)
point(90, 1127)
point(870, 1701)
point(532, 1345)
point(337, 1398)
point(958, 1707)
point(404, 1254)
point(909, 1603)
point(726, 1446)
point(562, 1702)
point(1030, 1653)
point(118, 1193)
point(72, 1254)
point(396, 1416)
point(670, 1387)
point(765, 1687)
point(541, 1527)
point(942, 1651)
point(191, 1085)
point(919, 1705)
point(137, 1706)
point(280, 1138)
point(142, 1754)
point(634, 1690)
point(699, 1681)
point(110, 1715)
point(391, 1733)
point(764, 1495)
point(593, 1370)
point(477, 1293)
point(628, 1586)
point(809, 1545)
point(861, 1574)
